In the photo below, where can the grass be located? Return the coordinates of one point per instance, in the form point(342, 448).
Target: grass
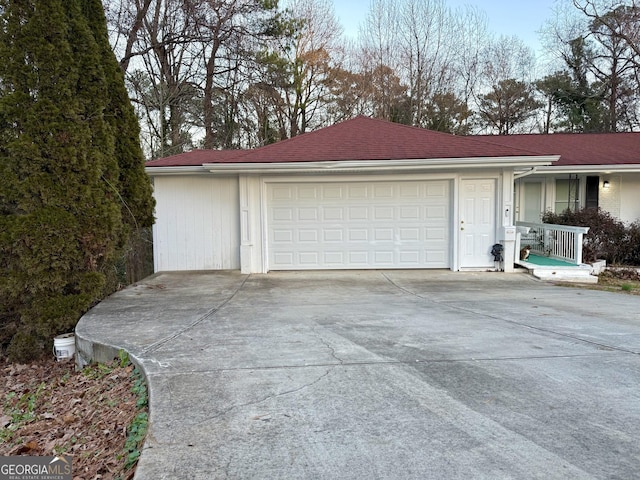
point(137, 431)
point(22, 410)
point(625, 281)
point(617, 285)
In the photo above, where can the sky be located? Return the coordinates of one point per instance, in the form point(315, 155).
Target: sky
point(506, 17)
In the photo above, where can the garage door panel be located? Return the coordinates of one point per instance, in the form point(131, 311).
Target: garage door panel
point(436, 190)
point(307, 192)
point(282, 214)
point(306, 236)
point(359, 213)
point(283, 236)
point(333, 192)
point(383, 234)
point(359, 225)
point(383, 191)
point(438, 234)
point(282, 193)
point(409, 257)
point(334, 259)
point(435, 257)
point(384, 258)
point(282, 259)
point(333, 214)
point(358, 235)
point(409, 234)
point(358, 192)
point(359, 258)
point(306, 214)
point(384, 213)
point(410, 213)
point(409, 190)
point(308, 258)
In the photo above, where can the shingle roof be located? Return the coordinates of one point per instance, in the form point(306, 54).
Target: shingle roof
point(365, 138)
point(360, 138)
point(579, 148)
point(195, 158)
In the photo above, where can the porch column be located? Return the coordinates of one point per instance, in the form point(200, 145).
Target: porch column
point(507, 230)
point(250, 232)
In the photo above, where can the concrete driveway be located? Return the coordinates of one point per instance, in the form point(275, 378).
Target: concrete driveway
point(379, 375)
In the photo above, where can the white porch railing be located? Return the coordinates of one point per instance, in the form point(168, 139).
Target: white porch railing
point(556, 241)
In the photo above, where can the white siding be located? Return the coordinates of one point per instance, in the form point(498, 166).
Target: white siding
point(630, 197)
point(609, 198)
point(197, 223)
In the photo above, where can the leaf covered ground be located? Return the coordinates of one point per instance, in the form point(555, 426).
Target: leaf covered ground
point(98, 415)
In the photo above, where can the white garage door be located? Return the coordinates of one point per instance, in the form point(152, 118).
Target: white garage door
point(359, 225)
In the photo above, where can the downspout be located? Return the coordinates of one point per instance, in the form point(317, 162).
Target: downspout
point(525, 174)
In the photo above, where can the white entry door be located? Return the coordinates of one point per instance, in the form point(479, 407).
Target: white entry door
point(351, 225)
point(477, 222)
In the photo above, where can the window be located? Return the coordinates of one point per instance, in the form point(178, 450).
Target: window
point(567, 194)
point(532, 201)
point(592, 192)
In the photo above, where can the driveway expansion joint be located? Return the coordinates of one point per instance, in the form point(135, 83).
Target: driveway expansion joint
point(211, 313)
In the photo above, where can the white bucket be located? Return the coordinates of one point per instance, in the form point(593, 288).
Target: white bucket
point(64, 346)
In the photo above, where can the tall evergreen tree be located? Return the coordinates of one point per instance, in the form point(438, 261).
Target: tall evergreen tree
point(133, 185)
point(61, 221)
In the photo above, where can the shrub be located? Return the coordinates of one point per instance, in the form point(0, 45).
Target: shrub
point(608, 238)
point(633, 257)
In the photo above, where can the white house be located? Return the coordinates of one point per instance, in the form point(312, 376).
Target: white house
point(594, 170)
point(362, 194)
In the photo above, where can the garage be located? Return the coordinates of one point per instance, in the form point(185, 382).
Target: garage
point(361, 194)
point(366, 224)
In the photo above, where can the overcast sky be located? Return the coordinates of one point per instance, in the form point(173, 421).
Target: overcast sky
point(506, 17)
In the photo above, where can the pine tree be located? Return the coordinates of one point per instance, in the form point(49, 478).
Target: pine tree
point(61, 220)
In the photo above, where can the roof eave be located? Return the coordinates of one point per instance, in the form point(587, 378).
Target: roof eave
point(620, 168)
point(381, 165)
point(182, 170)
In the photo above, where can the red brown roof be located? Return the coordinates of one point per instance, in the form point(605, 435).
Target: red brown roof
point(364, 138)
point(579, 148)
point(195, 158)
point(360, 138)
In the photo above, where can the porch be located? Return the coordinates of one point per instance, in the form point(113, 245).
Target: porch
point(555, 252)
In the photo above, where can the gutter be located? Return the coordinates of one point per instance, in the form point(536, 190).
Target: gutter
point(626, 168)
point(525, 174)
point(380, 165)
point(184, 170)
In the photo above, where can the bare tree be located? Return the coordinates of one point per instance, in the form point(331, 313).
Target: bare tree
point(625, 22)
point(610, 32)
point(315, 50)
point(220, 25)
point(126, 20)
point(413, 39)
point(473, 40)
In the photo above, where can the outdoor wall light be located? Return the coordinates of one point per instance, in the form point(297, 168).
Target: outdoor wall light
point(605, 184)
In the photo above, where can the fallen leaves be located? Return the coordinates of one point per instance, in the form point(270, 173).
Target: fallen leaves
point(50, 409)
